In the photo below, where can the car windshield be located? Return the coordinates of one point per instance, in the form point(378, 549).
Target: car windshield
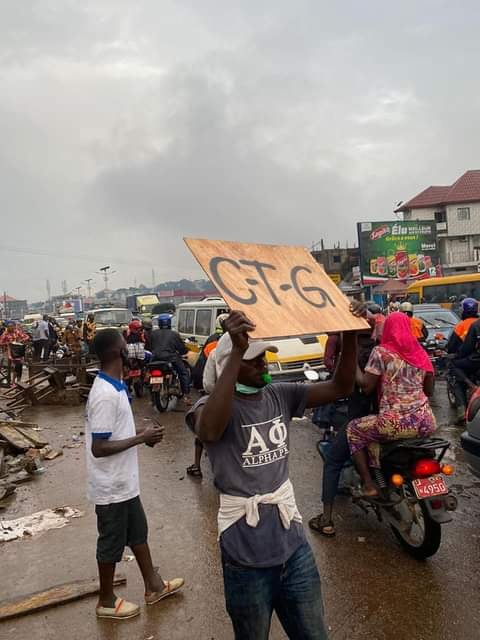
point(438, 318)
point(113, 317)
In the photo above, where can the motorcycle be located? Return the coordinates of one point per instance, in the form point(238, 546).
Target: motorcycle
point(134, 376)
point(414, 497)
point(472, 382)
point(164, 384)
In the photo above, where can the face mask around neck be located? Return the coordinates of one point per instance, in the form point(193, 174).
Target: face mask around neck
point(245, 389)
point(250, 391)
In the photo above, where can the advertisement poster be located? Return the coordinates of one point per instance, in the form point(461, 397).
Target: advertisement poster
point(404, 250)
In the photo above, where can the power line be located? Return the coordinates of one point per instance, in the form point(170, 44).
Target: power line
point(69, 256)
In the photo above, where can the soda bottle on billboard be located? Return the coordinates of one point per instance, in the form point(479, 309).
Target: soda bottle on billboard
point(401, 257)
point(392, 266)
point(382, 266)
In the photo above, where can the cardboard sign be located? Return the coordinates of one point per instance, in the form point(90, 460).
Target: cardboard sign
point(280, 288)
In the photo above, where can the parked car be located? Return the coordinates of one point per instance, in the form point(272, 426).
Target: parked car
point(439, 322)
point(470, 439)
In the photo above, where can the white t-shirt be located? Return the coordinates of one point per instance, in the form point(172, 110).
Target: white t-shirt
point(109, 415)
point(43, 330)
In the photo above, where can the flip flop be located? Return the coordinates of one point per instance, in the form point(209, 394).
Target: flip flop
point(327, 529)
point(194, 471)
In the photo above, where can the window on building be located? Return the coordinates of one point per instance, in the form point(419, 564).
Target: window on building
point(440, 216)
point(337, 259)
point(463, 213)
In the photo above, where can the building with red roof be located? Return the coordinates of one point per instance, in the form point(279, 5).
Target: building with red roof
point(456, 209)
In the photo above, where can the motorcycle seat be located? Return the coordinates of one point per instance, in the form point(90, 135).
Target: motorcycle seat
point(161, 364)
point(427, 444)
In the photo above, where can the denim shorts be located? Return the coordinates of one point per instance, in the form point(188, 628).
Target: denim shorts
point(119, 525)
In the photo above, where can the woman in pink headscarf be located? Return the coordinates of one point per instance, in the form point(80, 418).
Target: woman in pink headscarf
point(404, 373)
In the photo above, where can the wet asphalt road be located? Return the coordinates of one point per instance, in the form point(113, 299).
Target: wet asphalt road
point(372, 589)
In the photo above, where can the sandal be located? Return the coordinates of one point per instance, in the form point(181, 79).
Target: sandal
point(171, 587)
point(123, 610)
point(194, 471)
point(326, 529)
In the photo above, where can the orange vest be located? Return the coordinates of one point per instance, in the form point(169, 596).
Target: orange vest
point(417, 328)
point(463, 327)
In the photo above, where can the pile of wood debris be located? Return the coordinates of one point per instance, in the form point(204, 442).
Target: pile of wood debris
point(22, 450)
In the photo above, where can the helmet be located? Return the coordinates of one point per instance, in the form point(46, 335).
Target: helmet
point(147, 323)
point(469, 307)
point(406, 307)
point(164, 321)
point(220, 320)
point(135, 326)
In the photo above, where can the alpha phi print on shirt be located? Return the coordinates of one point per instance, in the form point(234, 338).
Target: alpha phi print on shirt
point(252, 455)
point(267, 442)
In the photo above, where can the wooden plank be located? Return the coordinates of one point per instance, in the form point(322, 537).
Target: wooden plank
point(280, 288)
point(15, 438)
point(28, 432)
point(23, 429)
point(59, 594)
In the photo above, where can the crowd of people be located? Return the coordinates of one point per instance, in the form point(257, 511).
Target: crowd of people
point(47, 339)
point(243, 422)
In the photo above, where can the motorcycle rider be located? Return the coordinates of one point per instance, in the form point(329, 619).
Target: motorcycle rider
point(136, 346)
point(337, 452)
point(469, 315)
point(419, 330)
point(467, 361)
point(147, 333)
point(168, 345)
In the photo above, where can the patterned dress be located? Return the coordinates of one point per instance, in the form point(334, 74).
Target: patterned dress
point(404, 409)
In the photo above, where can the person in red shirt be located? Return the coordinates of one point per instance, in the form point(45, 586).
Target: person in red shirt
point(11, 341)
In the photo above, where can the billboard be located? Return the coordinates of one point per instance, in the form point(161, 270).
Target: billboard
point(398, 249)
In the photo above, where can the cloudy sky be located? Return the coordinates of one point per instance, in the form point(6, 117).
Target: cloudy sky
point(127, 125)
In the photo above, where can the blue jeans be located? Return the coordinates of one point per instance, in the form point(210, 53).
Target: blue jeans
point(183, 375)
point(292, 590)
point(336, 455)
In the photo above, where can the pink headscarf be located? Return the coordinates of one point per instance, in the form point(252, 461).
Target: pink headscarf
point(398, 338)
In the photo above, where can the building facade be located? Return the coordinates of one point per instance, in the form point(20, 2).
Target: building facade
point(456, 210)
point(338, 262)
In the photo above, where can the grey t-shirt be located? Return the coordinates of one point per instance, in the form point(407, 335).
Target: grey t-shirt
point(252, 458)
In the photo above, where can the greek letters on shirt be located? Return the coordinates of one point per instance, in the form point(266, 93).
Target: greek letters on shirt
point(267, 443)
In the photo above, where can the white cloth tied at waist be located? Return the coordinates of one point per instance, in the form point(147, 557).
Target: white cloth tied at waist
point(233, 508)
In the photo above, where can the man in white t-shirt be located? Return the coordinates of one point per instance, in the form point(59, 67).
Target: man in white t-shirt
point(113, 485)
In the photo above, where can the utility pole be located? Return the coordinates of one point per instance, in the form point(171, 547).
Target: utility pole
point(106, 273)
point(89, 286)
point(49, 290)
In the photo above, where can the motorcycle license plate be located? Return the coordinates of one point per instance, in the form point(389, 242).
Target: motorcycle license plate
point(429, 487)
point(156, 380)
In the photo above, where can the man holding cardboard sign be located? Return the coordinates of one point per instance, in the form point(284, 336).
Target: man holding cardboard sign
point(244, 423)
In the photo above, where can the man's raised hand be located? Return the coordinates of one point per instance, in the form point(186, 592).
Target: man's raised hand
point(238, 326)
